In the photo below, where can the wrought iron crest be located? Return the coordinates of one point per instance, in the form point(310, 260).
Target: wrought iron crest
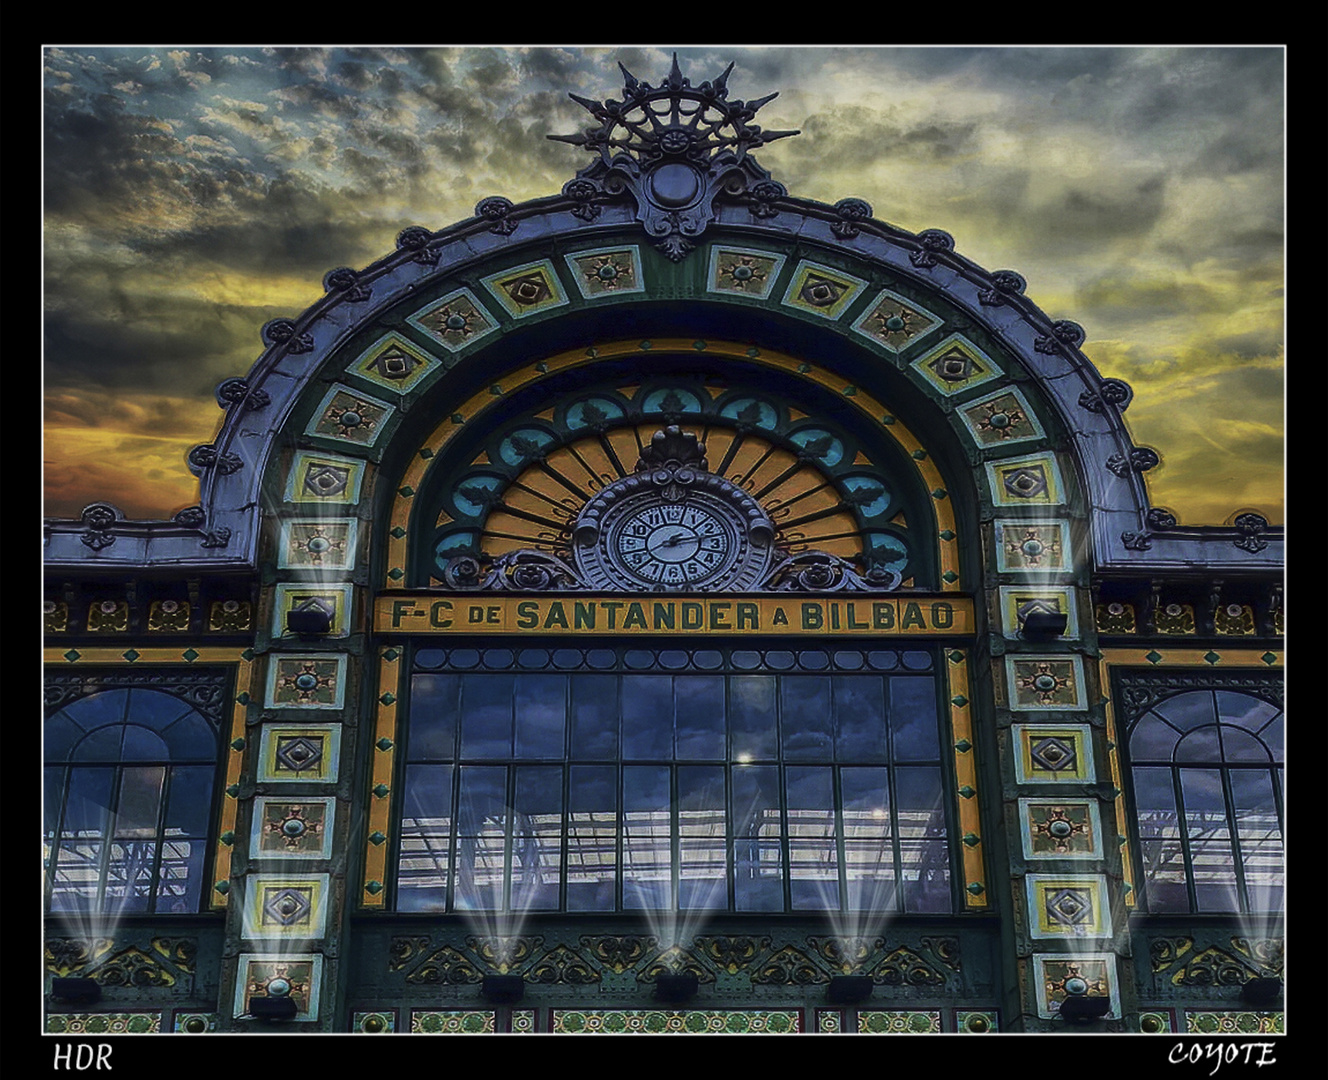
point(673, 147)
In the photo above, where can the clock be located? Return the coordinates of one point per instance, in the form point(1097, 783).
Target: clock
point(672, 525)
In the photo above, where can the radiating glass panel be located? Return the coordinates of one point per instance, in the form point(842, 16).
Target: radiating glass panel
point(813, 853)
point(103, 744)
point(1190, 710)
point(1199, 745)
point(1153, 739)
point(699, 722)
point(537, 829)
point(154, 709)
point(701, 838)
point(138, 807)
point(647, 717)
point(647, 844)
point(143, 744)
point(805, 718)
point(541, 715)
point(1244, 710)
point(190, 738)
point(1212, 862)
point(1240, 745)
point(59, 736)
point(486, 716)
point(753, 728)
point(592, 837)
point(595, 717)
point(433, 717)
point(913, 719)
point(106, 707)
point(859, 717)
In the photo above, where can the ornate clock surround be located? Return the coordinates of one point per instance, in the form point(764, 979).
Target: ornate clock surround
point(673, 524)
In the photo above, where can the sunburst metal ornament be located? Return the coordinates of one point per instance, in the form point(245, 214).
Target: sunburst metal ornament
point(674, 147)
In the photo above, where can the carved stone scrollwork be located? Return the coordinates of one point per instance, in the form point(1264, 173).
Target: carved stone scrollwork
point(416, 238)
point(818, 571)
point(584, 193)
point(1251, 526)
point(851, 212)
point(933, 241)
point(526, 570)
point(675, 147)
point(285, 332)
point(761, 198)
point(346, 281)
point(204, 457)
point(496, 210)
point(237, 392)
point(1064, 333)
point(98, 519)
point(1003, 283)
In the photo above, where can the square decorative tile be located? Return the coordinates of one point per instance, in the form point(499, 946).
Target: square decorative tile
point(299, 753)
point(745, 271)
point(1115, 618)
point(317, 544)
point(1001, 419)
point(1045, 683)
point(293, 907)
point(1212, 1022)
point(1033, 547)
point(381, 1021)
point(1029, 481)
point(229, 615)
point(526, 289)
point(822, 291)
point(1020, 601)
point(307, 681)
point(351, 417)
point(1052, 754)
point(324, 478)
point(969, 1022)
point(1066, 905)
point(1060, 829)
point(895, 322)
point(1057, 976)
point(334, 600)
point(297, 976)
point(956, 365)
point(167, 616)
point(286, 828)
point(607, 271)
point(455, 320)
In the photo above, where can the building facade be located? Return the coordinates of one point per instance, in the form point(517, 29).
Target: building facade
point(668, 605)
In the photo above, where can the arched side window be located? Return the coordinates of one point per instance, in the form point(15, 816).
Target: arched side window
point(129, 785)
point(1206, 771)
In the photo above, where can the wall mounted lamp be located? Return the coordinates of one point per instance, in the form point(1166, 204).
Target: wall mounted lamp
point(1261, 990)
point(1044, 625)
point(273, 1008)
point(502, 989)
point(79, 991)
point(309, 622)
point(676, 986)
point(849, 989)
point(1082, 1009)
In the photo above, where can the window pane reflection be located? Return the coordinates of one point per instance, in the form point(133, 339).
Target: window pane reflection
point(689, 791)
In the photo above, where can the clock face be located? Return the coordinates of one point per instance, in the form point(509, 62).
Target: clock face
point(673, 543)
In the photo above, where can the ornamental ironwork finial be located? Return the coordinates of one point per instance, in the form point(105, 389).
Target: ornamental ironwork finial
point(674, 147)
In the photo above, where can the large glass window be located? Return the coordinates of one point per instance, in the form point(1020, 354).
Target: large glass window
point(129, 780)
point(1206, 767)
point(618, 780)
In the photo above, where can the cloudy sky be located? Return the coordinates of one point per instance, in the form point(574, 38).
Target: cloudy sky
point(193, 194)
